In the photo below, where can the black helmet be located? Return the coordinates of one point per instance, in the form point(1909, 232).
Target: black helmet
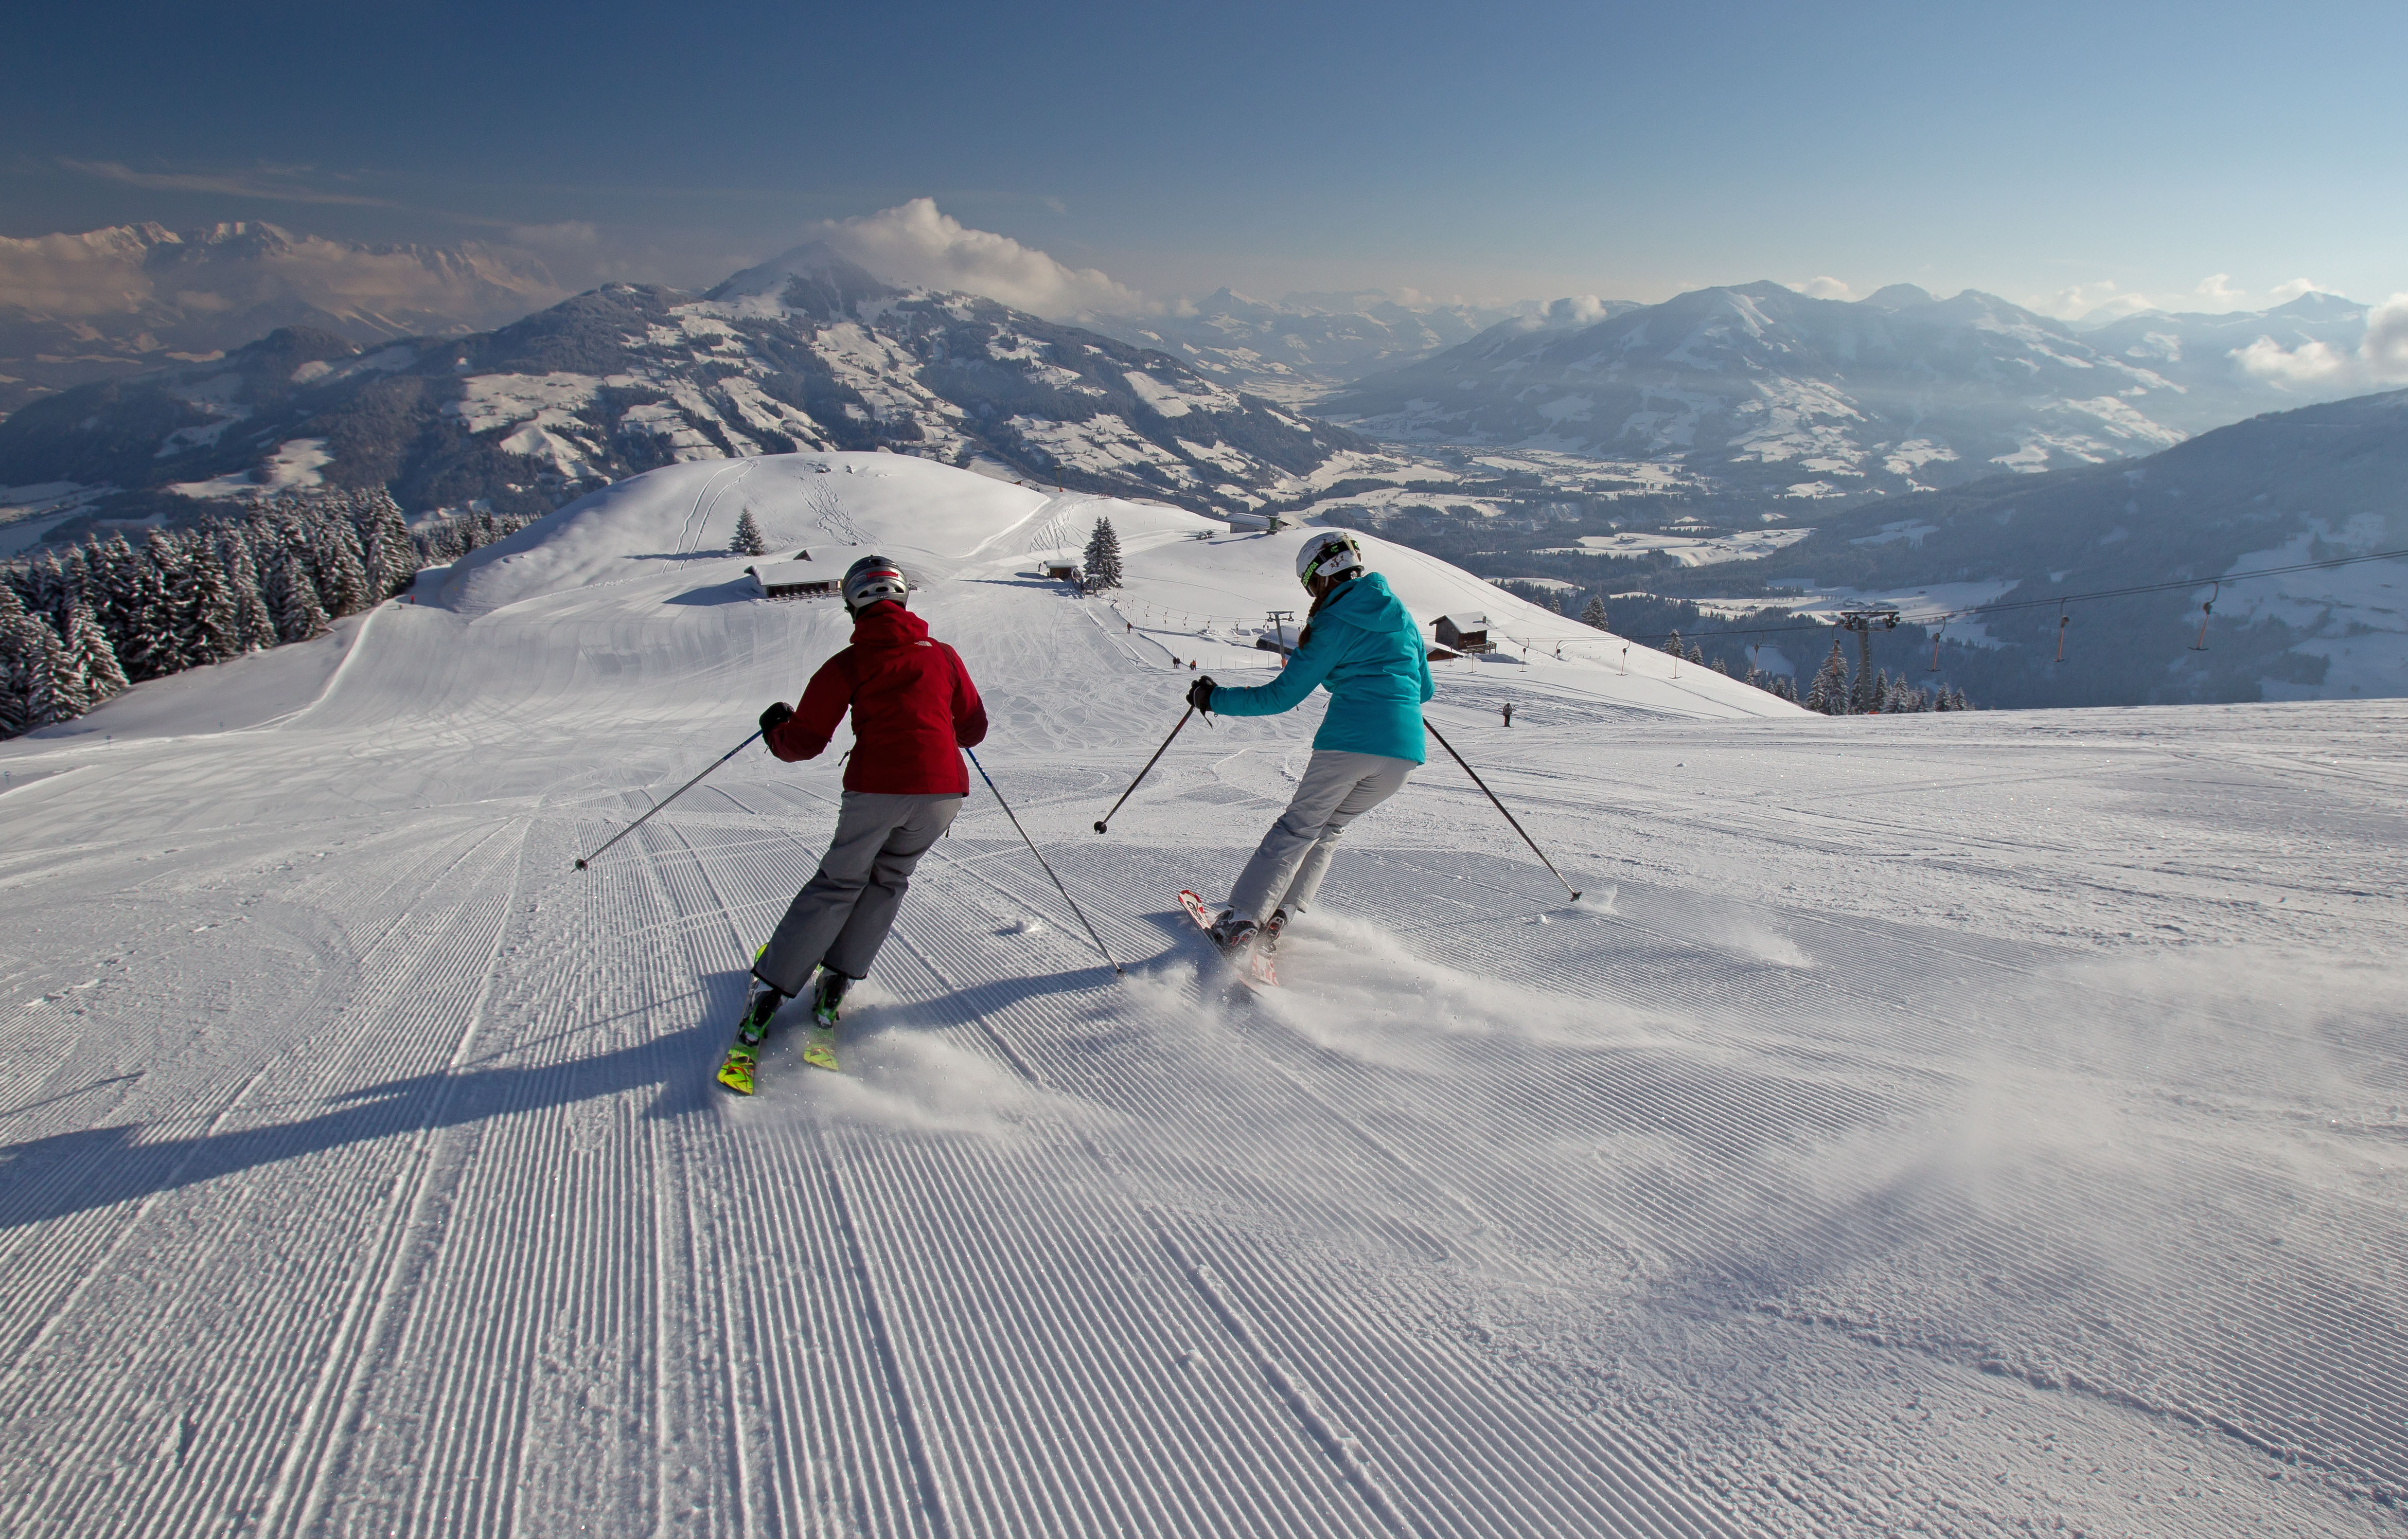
point(873, 580)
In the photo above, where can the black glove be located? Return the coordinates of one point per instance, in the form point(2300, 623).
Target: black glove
point(1199, 694)
point(776, 716)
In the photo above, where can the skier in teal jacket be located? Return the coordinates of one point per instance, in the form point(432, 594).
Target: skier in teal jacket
point(1364, 647)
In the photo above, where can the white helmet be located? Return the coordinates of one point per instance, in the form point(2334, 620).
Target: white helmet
point(1327, 554)
point(873, 580)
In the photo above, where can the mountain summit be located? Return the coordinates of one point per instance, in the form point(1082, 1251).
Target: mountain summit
point(804, 352)
point(1767, 390)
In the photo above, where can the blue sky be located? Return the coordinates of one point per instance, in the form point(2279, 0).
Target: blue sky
point(2043, 152)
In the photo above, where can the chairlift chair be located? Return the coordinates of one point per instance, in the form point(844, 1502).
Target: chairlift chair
point(2204, 610)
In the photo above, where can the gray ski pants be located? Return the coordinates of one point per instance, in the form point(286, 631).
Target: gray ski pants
point(1294, 856)
point(841, 916)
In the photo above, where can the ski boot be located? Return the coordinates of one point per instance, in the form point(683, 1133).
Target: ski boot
point(1267, 942)
point(744, 1055)
point(1233, 935)
point(827, 995)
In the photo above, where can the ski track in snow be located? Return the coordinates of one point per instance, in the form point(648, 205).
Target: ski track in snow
point(1949, 1124)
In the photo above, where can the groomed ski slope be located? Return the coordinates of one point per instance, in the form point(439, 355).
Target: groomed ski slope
point(1958, 1124)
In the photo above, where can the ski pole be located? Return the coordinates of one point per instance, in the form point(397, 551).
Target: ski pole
point(1500, 807)
point(666, 799)
point(1107, 817)
point(1041, 860)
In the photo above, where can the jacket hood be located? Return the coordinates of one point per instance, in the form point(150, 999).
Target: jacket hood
point(889, 624)
point(1366, 604)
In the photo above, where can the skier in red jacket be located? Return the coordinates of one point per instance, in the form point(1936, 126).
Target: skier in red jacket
point(914, 709)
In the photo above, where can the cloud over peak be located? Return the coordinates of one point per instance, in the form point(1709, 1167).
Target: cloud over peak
point(916, 243)
point(2381, 357)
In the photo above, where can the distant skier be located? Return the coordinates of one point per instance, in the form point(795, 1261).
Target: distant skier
point(1508, 713)
point(1362, 645)
point(914, 709)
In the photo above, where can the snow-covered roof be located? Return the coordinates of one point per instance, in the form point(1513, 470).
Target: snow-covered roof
point(1465, 622)
point(789, 574)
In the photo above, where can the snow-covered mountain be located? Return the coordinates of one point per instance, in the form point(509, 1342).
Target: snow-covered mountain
point(1303, 346)
point(1769, 391)
point(804, 352)
point(109, 304)
point(2206, 354)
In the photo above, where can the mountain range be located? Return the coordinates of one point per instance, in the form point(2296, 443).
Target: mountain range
point(1776, 395)
point(1302, 347)
point(2277, 490)
point(805, 352)
point(111, 303)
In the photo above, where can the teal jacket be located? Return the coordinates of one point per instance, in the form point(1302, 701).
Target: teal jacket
point(1367, 651)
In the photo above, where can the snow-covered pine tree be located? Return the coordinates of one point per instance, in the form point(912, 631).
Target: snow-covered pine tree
point(386, 548)
point(253, 624)
point(1720, 666)
point(95, 660)
point(438, 543)
point(38, 682)
point(749, 540)
point(216, 623)
point(334, 558)
point(293, 597)
point(172, 603)
point(1103, 561)
point(1695, 654)
point(25, 582)
point(1594, 616)
point(1829, 693)
point(1672, 643)
point(143, 628)
point(60, 580)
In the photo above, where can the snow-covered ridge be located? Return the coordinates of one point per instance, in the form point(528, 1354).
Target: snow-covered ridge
point(1195, 589)
point(1769, 390)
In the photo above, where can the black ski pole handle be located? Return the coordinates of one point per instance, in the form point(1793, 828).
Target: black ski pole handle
point(1107, 817)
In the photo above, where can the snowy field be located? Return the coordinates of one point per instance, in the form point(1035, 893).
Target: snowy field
point(1967, 1124)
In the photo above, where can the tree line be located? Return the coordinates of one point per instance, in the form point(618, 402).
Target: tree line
point(80, 625)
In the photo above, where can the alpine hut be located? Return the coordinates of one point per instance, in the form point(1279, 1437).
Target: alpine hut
point(784, 579)
point(1463, 632)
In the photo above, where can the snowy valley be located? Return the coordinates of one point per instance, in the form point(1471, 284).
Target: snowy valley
point(1967, 1124)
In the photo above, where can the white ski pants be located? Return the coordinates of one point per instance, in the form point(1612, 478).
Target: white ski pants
point(841, 916)
point(1294, 856)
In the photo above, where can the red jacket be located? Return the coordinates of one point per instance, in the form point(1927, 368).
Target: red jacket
point(913, 708)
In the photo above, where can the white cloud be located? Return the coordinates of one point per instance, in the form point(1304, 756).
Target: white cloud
point(914, 243)
point(2216, 289)
point(2380, 359)
point(1579, 311)
point(1825, 287)
point(2085, 299)
point(103, 276)
point(2285, 292)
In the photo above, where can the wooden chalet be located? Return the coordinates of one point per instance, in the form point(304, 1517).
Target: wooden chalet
point(1463, 632)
